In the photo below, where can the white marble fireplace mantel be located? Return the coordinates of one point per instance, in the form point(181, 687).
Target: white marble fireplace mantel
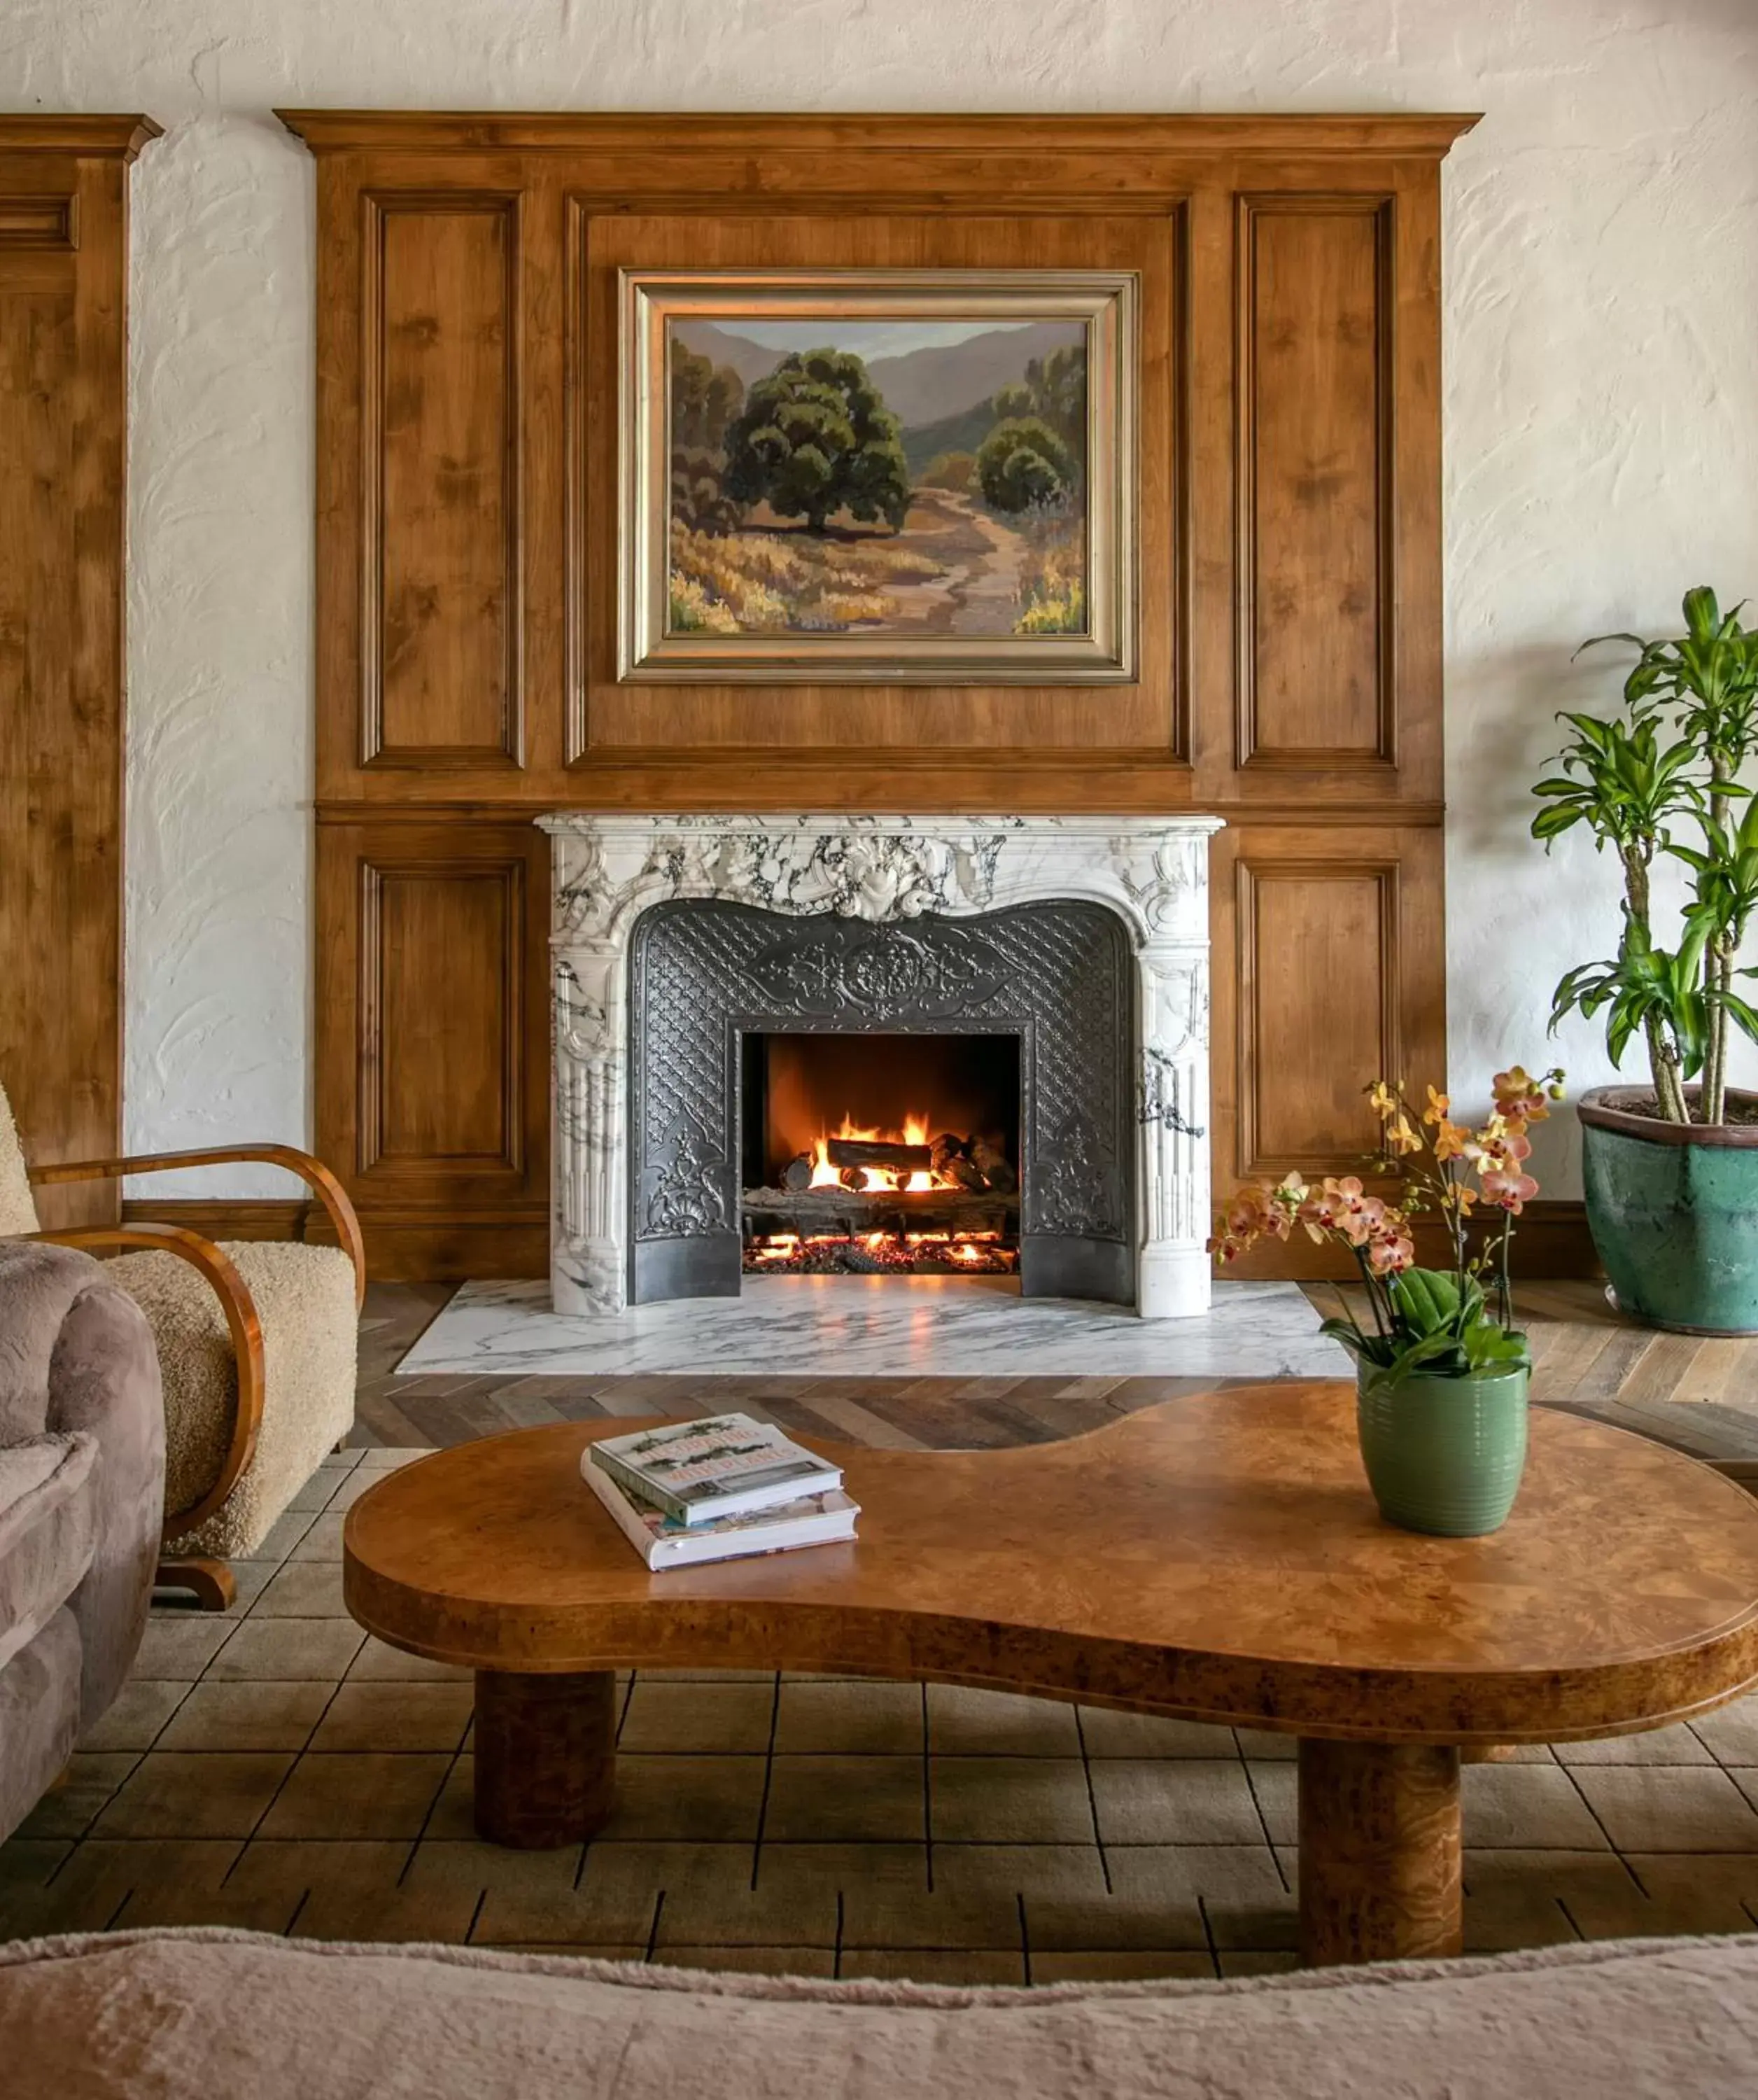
point(609, 869)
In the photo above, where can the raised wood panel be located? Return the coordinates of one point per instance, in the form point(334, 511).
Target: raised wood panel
point(1319, 1006)
point(39, 222)
point(432, 944)
point(1329, 972)
point(1317, 578)
point(440, 616)
point(442, 964)
point(63, 411)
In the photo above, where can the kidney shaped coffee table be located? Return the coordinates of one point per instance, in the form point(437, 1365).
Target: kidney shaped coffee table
point(1218, 1559)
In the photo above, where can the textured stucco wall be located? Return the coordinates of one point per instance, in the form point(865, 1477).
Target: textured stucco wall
point(1602, 395)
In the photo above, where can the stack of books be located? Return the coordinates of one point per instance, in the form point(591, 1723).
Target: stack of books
point(717, 1490)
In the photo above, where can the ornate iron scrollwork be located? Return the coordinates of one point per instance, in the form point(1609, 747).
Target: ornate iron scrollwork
point(927, 970)
point(1058, 974)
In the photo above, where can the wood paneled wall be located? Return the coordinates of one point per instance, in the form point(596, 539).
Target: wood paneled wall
point(63, 379)
point(1290, 589)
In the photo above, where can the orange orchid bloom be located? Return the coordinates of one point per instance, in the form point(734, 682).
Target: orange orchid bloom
point(1451, 1139)
point(1520, 1097)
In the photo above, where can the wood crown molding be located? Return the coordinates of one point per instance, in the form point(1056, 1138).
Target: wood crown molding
point(1401, 134)
point(86, 137)
point(1300, 816)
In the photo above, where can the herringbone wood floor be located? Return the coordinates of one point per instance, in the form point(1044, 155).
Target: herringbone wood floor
point(1699, 1396)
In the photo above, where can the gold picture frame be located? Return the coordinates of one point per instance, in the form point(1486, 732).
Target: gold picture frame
point(1010, 558)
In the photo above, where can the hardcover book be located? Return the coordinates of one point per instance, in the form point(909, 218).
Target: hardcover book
point(698, 1470)
point(663, 1542)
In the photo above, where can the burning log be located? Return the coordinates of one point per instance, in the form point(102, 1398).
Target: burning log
point(993, 1163)
point(797, 1173)
point(858, 1152)
point(822, 1210)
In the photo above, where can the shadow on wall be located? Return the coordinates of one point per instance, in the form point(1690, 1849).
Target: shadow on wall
point(1502, 709)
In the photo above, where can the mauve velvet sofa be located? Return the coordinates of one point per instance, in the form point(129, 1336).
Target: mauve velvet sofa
point(207, 2014)
point(81, 1504)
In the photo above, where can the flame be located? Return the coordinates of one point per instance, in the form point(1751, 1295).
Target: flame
point(878, 1181)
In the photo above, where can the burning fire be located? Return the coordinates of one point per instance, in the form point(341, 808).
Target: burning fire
point(877, 1180)
point(861, 1221)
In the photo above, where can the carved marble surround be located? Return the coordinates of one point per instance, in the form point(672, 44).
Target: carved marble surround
point(1152, 872)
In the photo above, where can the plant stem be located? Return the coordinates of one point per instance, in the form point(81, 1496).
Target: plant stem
point(1348, 1311)
point(1373, 1301)
point(1504, 1283)
point(1663, 1060)
point(1718, 966)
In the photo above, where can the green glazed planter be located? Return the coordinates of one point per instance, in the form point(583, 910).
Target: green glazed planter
point(1673, 1210)
point(1445, 1455)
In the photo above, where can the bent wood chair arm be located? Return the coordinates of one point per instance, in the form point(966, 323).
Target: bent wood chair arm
point(313, 1172)
point(241, 1320)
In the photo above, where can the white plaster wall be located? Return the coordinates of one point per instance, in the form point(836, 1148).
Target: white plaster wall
point(1602, 395)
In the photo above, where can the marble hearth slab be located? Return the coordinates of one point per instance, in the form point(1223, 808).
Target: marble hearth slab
point(878, 1326)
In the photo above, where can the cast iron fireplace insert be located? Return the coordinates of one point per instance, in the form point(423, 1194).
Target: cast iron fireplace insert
point(726, 1001)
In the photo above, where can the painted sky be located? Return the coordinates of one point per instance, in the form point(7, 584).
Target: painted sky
point(869, 339)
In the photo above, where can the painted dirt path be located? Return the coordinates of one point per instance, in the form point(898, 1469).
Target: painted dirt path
point(977, 594)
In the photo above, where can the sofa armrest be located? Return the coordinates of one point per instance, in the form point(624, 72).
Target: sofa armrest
point(241, 1320)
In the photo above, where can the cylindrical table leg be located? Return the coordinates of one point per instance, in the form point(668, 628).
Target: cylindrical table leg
point(545, 1756)
point(1379, 1851)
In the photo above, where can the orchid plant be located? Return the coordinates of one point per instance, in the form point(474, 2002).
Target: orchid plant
point(1437, 1321)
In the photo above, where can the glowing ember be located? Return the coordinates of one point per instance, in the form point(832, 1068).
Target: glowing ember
point(986, 1253)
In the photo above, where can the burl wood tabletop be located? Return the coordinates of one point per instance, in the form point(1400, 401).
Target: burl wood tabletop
point(1219, 1557)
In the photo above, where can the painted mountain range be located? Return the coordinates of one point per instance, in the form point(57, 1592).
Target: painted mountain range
point(922, 386)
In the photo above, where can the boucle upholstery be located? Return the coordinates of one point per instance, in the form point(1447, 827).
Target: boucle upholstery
point(304, 1297)
point(193, 2014)
point(18, 1208)
point(81, 1500)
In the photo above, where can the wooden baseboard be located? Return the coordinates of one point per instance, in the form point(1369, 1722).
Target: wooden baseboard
point(220, 1218)
point(402, 1247)
point(1551, 1242)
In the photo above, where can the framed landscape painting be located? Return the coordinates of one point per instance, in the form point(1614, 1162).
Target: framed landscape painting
point(868, 476)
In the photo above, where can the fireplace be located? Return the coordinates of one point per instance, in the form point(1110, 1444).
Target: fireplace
point(878, 1152)
point(885, 1046)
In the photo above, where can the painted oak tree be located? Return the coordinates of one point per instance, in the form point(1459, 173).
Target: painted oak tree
point(815, 437)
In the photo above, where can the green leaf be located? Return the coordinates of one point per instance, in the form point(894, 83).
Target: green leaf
point(1427, 1300)
point(1361, 1346)
point(1428, 1349)
point(1488, 1347)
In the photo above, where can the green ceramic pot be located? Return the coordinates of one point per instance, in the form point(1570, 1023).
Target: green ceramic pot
point(1673, 1210)
point(1445, 1455)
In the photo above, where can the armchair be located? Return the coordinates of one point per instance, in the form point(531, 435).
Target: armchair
point(256, 1343)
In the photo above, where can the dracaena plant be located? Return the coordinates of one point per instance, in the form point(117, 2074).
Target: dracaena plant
point(1443, 1322)
point(1662, 781)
